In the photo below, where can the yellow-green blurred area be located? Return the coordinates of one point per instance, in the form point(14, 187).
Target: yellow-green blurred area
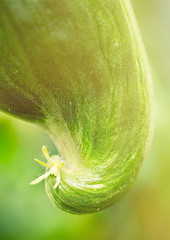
point(27, 213)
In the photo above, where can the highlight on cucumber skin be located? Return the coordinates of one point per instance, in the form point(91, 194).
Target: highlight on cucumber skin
point(79, 70)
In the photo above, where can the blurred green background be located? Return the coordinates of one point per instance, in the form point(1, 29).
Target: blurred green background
point(27, 213)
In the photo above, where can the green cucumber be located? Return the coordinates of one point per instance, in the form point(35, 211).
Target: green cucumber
point(79, 70)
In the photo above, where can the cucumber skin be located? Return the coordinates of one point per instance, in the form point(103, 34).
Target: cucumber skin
point(79, 69)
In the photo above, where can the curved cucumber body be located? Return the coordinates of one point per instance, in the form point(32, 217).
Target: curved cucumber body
point(78, 68)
